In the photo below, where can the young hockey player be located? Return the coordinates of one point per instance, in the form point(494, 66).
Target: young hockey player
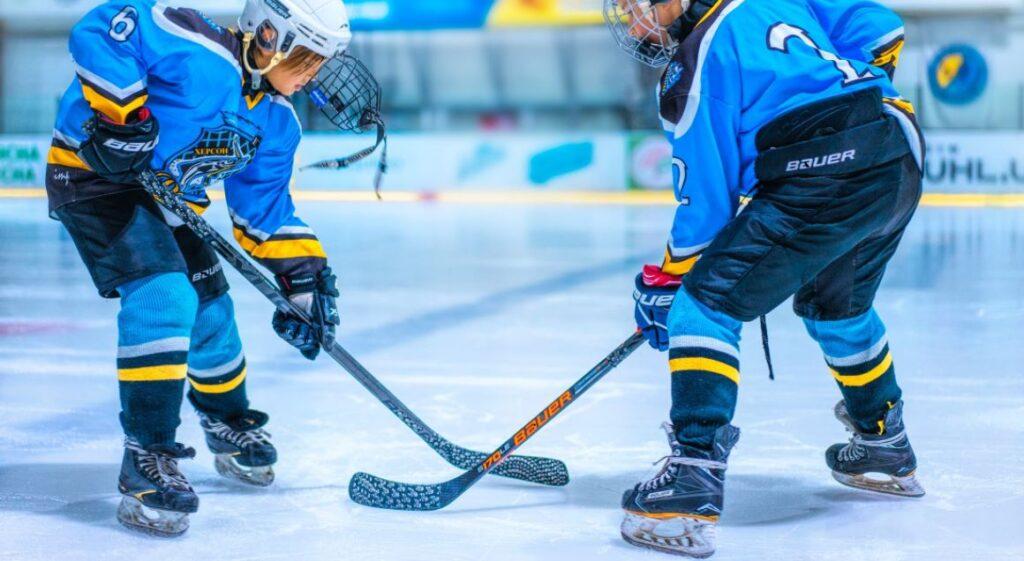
point(797, 167)
point(167, 89)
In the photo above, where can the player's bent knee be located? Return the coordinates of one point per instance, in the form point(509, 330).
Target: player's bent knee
point(690, 317)
point(163, 302)
point(847, 336)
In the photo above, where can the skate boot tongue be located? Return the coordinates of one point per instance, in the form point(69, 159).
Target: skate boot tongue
point(247, 421)
point(177, 451)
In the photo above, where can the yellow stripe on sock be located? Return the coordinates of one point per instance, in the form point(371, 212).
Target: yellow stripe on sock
point(153, 373)
point(223, 387)
point(705, 365)
point(858, 380)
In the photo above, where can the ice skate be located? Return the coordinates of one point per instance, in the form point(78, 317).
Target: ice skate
point(242, 448)
point(677, 510)
point(157, 498)
point(883, 463)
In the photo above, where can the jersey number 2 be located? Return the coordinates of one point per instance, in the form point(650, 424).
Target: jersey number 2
point(123, 24)
point(780, 34)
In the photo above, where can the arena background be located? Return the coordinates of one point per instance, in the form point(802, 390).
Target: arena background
point(532, 96)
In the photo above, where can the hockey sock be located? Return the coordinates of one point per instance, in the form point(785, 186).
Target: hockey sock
point(154, 325)
point(216, 369)
point(704, 361)
point(857, 354)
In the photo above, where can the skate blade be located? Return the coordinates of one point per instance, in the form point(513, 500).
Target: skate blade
point(677, 535)
point(161, 523)
point(901, 486)
point(257, 476)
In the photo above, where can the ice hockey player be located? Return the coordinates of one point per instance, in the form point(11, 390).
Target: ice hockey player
point(797, 169)
point(167, 89)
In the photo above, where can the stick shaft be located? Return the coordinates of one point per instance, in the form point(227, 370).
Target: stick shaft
point(551, 472)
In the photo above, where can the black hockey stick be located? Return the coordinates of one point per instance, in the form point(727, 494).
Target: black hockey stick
point(377, 492)
point(545, 471)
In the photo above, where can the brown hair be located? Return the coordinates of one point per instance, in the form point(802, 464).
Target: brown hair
point(301, 59)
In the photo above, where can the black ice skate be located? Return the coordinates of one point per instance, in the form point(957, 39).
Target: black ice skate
point(242, 448)
point(157, 498)
point(677, 510)
point(888, 454)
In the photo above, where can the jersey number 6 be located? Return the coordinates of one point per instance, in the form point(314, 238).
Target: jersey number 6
point(780, 34)
point(123, 24)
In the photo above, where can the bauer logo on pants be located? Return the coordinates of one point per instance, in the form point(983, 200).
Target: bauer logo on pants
point(822, 161)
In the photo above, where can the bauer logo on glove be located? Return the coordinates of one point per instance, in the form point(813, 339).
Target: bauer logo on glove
point(654, 294)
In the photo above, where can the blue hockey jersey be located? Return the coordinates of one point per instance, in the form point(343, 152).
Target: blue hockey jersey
point(746, 63)
point(187, 71)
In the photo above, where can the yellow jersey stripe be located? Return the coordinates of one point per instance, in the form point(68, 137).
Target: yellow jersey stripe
point(858, 380)
point(119, 113)
point(66, 158)
point(901, 104)
point(890, 55)
point(223, 387)
point(710, 13)
point(705, 365)
point(153, 373)
point(280, 249)
point(678, 268)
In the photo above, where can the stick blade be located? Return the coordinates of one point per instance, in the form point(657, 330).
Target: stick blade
point(377, 492)
point(544, 471)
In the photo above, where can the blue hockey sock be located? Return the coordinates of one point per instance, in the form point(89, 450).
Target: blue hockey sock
point(154, 327)
point(704, 361)
point(857, 354)
point(216, 365)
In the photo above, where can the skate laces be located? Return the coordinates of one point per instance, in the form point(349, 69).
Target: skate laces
point(670, 464)
point(240, 438)
point(161, 463)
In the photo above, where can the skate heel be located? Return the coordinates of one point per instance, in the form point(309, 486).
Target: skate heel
point(906, 486)
point(162, 523)
point(679, 534)
point(228, 466)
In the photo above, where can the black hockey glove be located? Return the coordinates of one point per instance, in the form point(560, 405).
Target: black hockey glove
point(316, 295)
point(119, 153)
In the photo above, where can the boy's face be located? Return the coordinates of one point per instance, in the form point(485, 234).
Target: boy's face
point(648, 21)
point(289, 81)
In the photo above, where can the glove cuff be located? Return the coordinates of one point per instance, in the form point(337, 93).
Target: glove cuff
point(324, 282)
point(653, 276)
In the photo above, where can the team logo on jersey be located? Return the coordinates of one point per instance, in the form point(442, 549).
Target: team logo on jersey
point(673, 74)
point(215, 156)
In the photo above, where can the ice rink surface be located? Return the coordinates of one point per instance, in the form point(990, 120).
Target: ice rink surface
point(477, 316)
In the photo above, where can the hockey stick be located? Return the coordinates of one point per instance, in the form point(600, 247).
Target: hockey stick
point(545, 471)
point(377, 492)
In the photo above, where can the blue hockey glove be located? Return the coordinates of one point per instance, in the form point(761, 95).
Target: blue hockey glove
point(655, 291)
point(316, 295)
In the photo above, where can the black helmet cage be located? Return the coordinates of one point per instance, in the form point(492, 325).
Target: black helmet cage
point(346, 93)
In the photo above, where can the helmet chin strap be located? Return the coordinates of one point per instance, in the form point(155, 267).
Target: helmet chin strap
point(257, 73)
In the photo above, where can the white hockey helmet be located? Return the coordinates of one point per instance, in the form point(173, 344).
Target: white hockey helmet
point(281, 26)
